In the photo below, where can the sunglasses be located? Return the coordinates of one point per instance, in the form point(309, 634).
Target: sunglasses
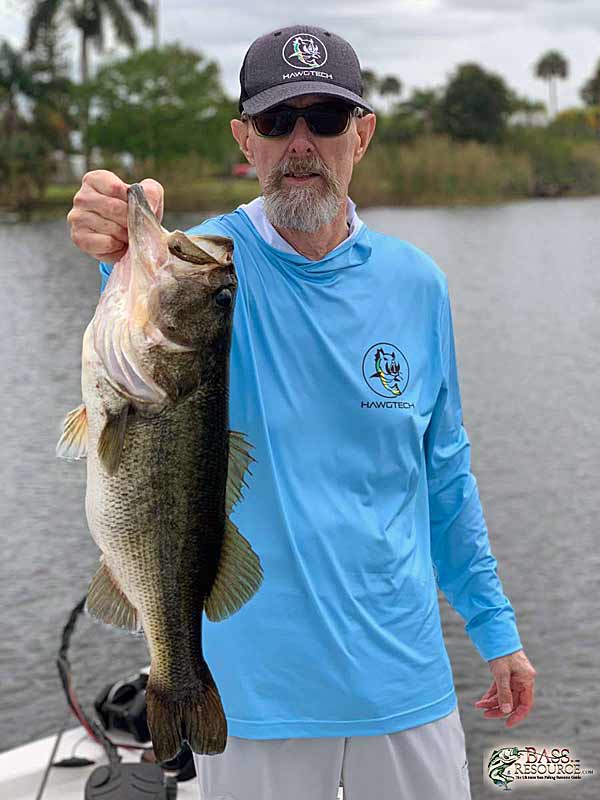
point(323, 119)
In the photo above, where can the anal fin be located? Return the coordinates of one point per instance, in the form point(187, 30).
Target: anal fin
point(239, 575)
point(107, 602)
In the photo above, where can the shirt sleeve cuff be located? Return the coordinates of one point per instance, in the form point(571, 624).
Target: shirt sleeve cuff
point(105, 270)
point(494, 633)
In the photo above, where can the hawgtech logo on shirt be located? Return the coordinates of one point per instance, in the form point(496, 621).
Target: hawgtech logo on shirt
point(386, 372)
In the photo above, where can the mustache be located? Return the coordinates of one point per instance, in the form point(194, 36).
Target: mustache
point(300, 165)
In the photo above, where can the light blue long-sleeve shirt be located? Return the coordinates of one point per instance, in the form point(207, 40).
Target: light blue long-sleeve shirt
point(343, 376)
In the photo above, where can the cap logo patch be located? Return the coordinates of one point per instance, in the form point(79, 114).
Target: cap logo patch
point(302, 50)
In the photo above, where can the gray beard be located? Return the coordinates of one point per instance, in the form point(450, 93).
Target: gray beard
point(302, 208)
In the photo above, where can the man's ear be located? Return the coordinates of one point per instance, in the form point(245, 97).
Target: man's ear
point(241, 131)
point(365, 128)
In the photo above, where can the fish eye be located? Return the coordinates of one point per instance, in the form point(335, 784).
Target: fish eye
point(224, 298)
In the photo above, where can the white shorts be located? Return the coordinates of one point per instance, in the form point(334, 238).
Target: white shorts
point(428, 761)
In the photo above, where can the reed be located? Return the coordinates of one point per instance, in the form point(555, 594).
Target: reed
point(435, 170)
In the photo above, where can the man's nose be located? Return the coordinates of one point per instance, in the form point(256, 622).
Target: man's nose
point(300, 142)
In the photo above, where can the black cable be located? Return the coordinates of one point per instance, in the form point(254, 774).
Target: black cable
point(115, 775)
point(64, 670)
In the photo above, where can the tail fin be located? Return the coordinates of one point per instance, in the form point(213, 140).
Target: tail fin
point(193, 713)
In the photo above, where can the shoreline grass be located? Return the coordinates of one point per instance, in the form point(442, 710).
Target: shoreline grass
point(433, 171)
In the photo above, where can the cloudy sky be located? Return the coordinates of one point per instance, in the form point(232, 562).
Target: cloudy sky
point(419, 41)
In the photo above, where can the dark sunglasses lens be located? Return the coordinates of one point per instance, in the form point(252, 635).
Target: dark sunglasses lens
point(324, 120)
point(274, 123)
point(328, 120)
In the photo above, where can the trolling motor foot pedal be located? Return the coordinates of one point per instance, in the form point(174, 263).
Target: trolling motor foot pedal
point(135, 781)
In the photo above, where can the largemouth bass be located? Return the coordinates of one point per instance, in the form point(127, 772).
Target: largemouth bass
point(163, 468)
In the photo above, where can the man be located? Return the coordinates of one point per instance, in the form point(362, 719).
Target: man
point(362, 501)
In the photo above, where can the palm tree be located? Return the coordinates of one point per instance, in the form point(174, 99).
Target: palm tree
point(16, 78)
point(552, 65)
point(89, 17)
point(390, 85)
point(20, 78)
point(370, 82)
point(53, 115)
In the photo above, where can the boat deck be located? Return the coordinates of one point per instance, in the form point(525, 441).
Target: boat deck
point(22, 769)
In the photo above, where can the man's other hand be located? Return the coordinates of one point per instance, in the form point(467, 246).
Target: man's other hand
point(98, 218)
point(512, 689)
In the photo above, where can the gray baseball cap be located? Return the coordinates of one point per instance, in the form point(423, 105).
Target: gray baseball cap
point(297, 60)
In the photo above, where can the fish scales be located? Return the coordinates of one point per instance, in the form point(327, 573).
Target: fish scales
point(163, 468)
point(148, 525)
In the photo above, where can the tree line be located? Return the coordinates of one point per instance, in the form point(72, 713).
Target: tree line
point(159, 105)
point(476, 103)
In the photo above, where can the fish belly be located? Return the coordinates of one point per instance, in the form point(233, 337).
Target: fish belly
point(159, 522)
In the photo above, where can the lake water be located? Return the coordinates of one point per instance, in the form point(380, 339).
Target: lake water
point(525, 288)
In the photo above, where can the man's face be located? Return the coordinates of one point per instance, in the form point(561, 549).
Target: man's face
point(304, 203)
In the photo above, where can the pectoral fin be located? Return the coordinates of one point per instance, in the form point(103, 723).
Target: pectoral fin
point(110, 443)
point(106, 601)
point(239, 576)
point(73, 441)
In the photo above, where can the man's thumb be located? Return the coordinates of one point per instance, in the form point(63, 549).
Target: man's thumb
point(156, 196)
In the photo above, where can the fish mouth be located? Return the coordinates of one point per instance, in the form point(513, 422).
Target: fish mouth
point(138, 209)
point(136, 192)
point(153, 246)
point(205, 250)
point(147, 237)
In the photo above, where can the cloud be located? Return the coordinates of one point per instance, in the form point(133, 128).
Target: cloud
point(555, 15)
point(419, 41)
point(506, 6)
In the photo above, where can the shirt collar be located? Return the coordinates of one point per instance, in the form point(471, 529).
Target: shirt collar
point(256, 212)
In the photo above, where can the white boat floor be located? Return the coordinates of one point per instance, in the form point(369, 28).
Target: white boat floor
point(22, 768)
